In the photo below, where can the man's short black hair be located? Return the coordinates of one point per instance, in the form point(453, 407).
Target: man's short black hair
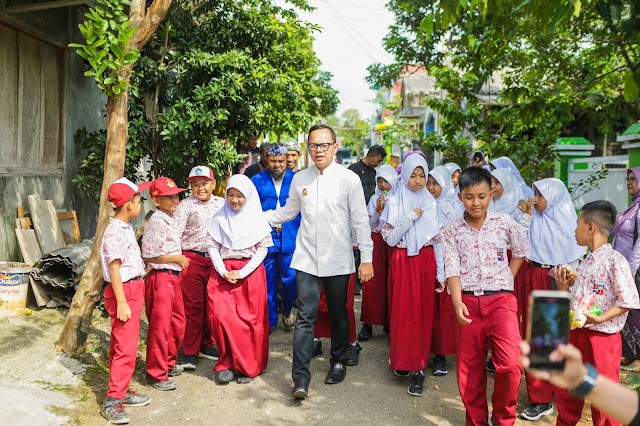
point(377, 150)
point(602, 213)
point(321, 127)
point(264, 147)
point(472, 176)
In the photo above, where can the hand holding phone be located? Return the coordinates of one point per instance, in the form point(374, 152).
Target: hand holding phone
point(548, 327)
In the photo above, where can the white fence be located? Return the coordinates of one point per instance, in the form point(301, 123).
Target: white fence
point(612, 188)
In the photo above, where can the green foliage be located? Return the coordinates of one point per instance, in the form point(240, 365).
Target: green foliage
point(215, 74)
point(588, 184)
point(353, 128)
point(107, 32)
point(560, 65)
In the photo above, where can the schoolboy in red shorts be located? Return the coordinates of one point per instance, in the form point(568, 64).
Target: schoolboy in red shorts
point(123, 269)
point(480, 278)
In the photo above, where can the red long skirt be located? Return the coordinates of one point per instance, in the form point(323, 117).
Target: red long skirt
point(323, 323)
point(445, 326)
point(239, 320)
point(374, 291)
point(521, 289)
point(412, 307)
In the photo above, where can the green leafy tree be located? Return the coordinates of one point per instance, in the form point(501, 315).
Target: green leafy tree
point(563, 73)
point(215, 74)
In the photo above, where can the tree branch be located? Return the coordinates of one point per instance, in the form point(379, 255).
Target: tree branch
point(155, 14)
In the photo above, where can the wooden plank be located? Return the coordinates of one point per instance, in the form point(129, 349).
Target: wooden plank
point(38, 6)
point(29, 246)
point(45, 223)
point(20, 211)
point(25, 223)
point(29, 102)
point(9, 98)
point(50, 105)
point(40, 292)
point(69, 226)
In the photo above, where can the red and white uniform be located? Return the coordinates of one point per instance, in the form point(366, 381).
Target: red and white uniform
point(479, 259)
point(119, 243)
point(606, 273)
point(191, 218)
point(163, 296)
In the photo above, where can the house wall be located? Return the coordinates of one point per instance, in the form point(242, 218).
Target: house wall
point(83, 106)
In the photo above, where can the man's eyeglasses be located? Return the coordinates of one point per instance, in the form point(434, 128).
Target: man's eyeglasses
point(320, 146)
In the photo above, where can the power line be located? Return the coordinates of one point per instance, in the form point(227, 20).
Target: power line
point(347, 24)
point(359, 6)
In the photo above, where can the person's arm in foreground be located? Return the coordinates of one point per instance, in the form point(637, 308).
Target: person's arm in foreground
point(614, 399)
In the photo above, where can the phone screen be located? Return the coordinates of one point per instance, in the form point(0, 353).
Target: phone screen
point(549, 328)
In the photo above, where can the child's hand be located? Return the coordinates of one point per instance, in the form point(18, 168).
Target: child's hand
point(183, 261)
point(418, 211)
point(526, 206)
point(124, 311)
point(230, 278)
point(563, 280)
point(461, 312)
point(592, 319)
point(235, 275)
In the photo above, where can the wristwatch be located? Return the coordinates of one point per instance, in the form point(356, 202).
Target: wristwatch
point(588, 383)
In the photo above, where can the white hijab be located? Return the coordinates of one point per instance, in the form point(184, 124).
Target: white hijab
point(452, 167)
point(244, 228)
point(449, 206)
point(405, 200)
point(512, 194)
point(506, 163)
point(389, 174)
point(551, 238)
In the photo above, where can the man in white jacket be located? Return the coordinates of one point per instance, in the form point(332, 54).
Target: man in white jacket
point(331, 201)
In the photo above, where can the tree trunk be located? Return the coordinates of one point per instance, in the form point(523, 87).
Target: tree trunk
point(73, 338)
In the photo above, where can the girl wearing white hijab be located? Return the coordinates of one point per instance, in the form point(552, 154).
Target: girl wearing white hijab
point(374, 292)
point(551, 242)
point(410, 224)
point(506, 163)
point(450, 208)
point(507, 194)
point(455, 171)
point(237, 289)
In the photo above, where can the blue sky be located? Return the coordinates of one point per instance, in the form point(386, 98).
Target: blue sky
point(351, 39)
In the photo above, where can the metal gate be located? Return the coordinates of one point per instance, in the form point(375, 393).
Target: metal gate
point(612, 188)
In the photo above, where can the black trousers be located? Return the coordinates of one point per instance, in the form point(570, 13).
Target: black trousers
point(309, 287)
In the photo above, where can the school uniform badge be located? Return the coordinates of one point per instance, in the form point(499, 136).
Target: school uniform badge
point(501, 254)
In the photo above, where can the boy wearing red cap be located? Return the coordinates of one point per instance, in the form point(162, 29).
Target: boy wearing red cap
point(191, 218)
point(163, 296)
point(122, 268)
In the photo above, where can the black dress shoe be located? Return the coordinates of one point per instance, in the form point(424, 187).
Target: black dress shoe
point(366, 332)
point(317, 348)
point(336, 374)
point(300, 390)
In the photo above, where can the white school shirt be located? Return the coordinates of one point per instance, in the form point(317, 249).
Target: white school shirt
point(278, 185)
point(330, 204)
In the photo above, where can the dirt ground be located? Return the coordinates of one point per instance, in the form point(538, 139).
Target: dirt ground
point(42, 387)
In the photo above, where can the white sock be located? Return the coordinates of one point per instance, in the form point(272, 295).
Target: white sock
point(315, 339)
point(354, 344)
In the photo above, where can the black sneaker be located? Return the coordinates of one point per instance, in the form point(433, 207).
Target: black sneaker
point(385, 329)
point(401, 373)
point(164, 385)
point(353, 355)
point(113, 410)
point(358, 290)
point(440, 366)
point(188, 362)
point(317, 348)
point(366, 332)
point(211, 354)
point(176, 371)
point(535, 411)
point(490, 367)
point(416, 388)
point(135, 399)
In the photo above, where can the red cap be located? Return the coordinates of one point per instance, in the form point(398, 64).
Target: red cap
point(201, 172)
point(123, 189)
point(164, 186)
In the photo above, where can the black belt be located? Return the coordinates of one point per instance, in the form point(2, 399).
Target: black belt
point(277, 229)
point(201, 253)
point(138, 278)
point(540, 265)
point(486, 292)
point(169, 271)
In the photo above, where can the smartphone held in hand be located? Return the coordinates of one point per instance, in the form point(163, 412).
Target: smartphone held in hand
point(548, 327)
